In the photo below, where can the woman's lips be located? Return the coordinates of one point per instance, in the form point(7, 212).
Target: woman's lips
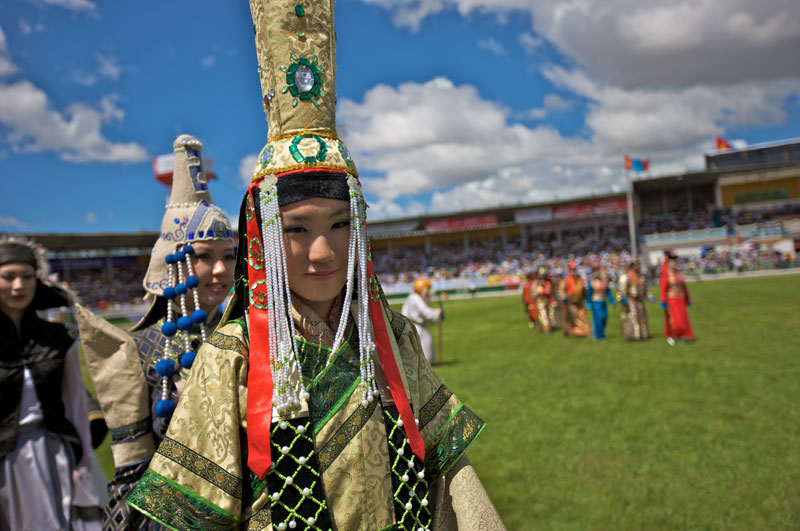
point(218, 288)
point(322, 275)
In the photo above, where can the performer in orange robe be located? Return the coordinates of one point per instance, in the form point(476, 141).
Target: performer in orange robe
point(573, 296)
point(675, 299)
point(528, 298)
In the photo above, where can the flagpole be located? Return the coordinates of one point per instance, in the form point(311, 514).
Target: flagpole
point(631, 221)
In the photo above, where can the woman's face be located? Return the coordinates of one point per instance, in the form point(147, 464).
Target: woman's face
point(316, 236)
point(213, 263)
point(17, 287)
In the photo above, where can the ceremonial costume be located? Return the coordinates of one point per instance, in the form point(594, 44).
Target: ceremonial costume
point(422, 314)
point(545, 301)
point(529, 299)
point(675, 300)
point(631, 292)
point(292, 419)
point(597, 293)
point(573, 298)
point(49, 476)
point(138, 375)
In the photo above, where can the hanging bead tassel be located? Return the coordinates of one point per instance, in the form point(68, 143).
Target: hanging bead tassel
point(165, 367)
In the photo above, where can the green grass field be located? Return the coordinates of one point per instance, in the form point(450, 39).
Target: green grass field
point(621, 435)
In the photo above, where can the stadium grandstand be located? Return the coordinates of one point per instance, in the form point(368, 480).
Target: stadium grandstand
point(742, 212)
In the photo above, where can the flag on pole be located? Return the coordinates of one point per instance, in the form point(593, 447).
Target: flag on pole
point(632, 164)
point(722, 144)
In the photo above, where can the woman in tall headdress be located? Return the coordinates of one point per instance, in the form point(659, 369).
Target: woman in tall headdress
point(572, 292)
point(631, 293)
point(138, 375)
point(675, 300)
point(312, 405)
point(598, 291)
point(49, 477)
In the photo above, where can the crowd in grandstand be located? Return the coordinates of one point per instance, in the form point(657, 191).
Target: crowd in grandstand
point(607, 247)
point(702, 218)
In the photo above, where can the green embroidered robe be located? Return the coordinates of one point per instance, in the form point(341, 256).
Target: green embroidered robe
point(199, 478)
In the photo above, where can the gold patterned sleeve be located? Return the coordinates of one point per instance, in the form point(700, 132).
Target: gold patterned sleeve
point(195, 478)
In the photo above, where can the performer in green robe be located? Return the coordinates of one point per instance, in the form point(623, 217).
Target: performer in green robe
point(312, 406)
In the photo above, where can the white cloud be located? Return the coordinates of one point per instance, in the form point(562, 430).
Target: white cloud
point(492, 46)
point(72, 5)
point(90, 218)
point(7, 66)
point(246, 166)
point(12, 222)
point(108, 66)
point(552, 102)
point(75, 134)
point(529, 42)
point(26, 27)
point(208, 62)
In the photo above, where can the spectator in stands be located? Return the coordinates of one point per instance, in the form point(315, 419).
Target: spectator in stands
point(138, 375)
point(49, 477)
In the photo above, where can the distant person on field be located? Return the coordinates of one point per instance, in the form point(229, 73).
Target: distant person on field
point(674, 300)
point(544, 300)
point(419, 311)
point(599, 290)
point(631, 293)
point(572, 293)
point(529, 299)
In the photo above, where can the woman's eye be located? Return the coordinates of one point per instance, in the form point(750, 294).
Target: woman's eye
point(293, 229)
point(341, 224)
point(203, 256)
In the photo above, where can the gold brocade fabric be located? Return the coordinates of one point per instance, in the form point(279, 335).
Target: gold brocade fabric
point(199, 477)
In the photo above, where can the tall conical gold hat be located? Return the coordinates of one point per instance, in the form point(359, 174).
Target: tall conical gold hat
point(296, 50)
point(190, 215)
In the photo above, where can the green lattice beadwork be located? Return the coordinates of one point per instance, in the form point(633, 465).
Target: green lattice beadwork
point(300, 158)
point(298, 498)
point(410, 485)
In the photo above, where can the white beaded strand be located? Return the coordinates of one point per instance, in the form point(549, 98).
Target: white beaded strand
point(195, 297)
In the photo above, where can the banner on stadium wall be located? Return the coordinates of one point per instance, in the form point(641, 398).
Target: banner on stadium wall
point(466, 222)
point(534, 215)
point(617, 205)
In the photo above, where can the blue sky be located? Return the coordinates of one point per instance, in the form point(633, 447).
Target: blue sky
point(445, 104)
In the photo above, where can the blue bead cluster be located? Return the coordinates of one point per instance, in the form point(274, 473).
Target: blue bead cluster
point(166, 367)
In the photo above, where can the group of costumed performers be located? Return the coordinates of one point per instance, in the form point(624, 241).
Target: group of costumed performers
point(598, 290)
point(312, 405)
point(49, 476)
point(417, 308)
point(675, 300)
point(572, 292)
point(575, 296)
point(139, 374)
point(631, 294)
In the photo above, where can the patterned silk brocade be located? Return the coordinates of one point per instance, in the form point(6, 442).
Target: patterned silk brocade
point(195, 480)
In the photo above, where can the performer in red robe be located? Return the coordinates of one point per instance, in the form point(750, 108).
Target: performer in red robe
point(675, 299)
point(528, 299)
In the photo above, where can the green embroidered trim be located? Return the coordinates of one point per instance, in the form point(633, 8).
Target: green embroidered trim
point(130, 431)
point(339, 440)
point(262, 519)
point(224, 342)
point(256, 486)
point(177, 507)
point(434, 405)
point(451, 441)
point(201, 466)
